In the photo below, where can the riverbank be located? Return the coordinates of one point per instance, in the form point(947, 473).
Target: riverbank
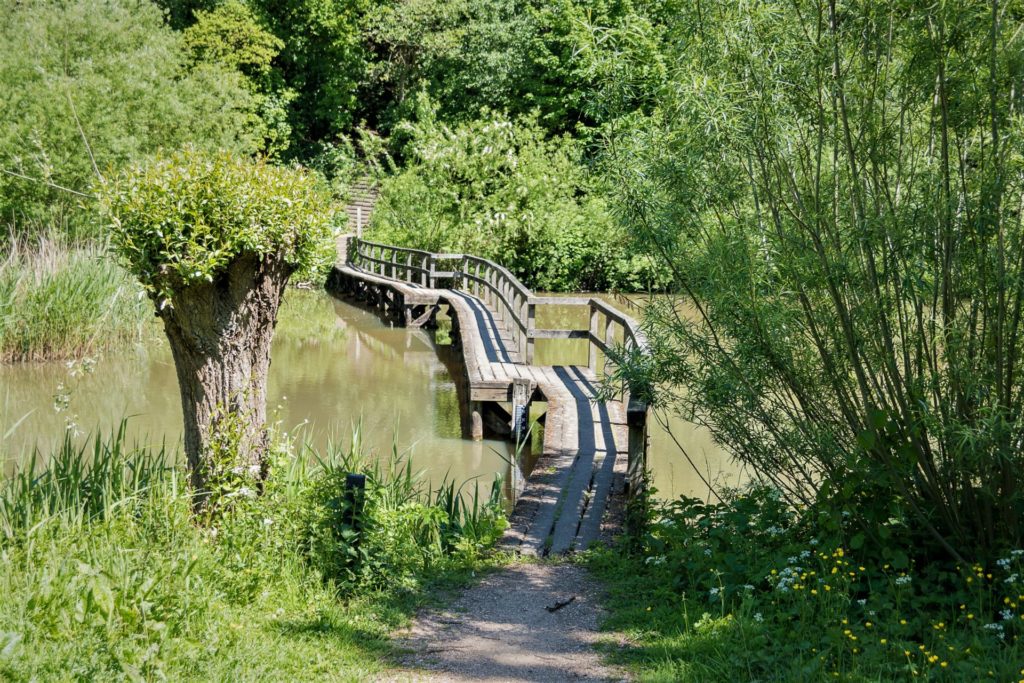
point(106, 575)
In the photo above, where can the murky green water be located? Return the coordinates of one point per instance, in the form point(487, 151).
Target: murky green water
point(334, 366)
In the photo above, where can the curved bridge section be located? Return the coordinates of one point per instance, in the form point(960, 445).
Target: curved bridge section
point(592, 449)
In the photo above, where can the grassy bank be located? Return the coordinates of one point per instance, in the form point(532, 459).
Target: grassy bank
point(751, 590)
point(105, 574)
point(59, 300)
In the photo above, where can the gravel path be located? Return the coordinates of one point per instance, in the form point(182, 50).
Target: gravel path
point(500, 630)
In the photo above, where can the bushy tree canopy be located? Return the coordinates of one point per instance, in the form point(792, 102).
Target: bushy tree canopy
point(497, 188)
point(185, 217)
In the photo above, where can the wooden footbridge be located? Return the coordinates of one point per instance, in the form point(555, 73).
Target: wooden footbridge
point(592, 450)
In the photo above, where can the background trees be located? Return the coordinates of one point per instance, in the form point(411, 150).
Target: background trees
point(92, 84)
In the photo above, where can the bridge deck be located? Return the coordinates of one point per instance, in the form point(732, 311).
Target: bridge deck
point(565, 497)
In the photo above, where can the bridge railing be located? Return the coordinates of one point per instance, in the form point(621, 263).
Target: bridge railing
point(516, 308)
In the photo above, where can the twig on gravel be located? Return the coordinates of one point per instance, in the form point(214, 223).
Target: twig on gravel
point(559, 604)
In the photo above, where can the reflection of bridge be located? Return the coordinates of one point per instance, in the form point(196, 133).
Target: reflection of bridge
point(494, 325)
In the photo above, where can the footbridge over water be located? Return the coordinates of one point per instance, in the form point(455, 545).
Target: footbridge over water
point(592, 449)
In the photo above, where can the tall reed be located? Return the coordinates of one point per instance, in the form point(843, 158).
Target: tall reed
point(63, 300)
point(78, 483)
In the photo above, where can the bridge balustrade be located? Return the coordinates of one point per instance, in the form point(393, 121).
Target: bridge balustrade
point(515, 308)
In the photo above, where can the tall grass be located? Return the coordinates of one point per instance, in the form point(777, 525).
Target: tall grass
point(78, 483)
point(106, 574)
point(63, 300)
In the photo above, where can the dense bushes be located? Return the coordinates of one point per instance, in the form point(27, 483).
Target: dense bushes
point(104, 572)
point(846, 224)
point(751, 589)
point(498, 188)
point(92, 84)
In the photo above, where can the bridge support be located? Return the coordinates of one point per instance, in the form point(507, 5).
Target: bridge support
point(522, 389)
point(636, 464)
point(476, 420)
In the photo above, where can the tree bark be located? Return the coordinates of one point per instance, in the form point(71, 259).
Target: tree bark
point(220, 334)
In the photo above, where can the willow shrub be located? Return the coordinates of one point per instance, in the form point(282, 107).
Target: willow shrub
point(837, 189)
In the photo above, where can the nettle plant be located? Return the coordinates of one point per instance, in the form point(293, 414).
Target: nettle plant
point(214, 239)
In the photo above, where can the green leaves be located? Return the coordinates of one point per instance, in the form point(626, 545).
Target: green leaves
point(497, 188)
point(182, 218)
point(103, 81)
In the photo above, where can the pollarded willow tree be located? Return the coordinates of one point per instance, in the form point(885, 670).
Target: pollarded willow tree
point(214, 240)
point(838, 188)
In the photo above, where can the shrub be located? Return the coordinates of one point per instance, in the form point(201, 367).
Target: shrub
point(496, 188)
point(750, 588)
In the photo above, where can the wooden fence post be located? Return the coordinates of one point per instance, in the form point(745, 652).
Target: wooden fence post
point(592, 348)
point(521, 390)
point(531, 327)
point(636, 463)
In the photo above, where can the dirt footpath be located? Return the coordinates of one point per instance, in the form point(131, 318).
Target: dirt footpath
point(517, 624)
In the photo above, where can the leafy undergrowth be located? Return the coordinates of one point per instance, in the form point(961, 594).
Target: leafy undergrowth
point(751, 590)
point(105, 574)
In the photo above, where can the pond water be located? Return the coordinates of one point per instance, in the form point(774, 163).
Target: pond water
point(334, 366)
point(683, 457)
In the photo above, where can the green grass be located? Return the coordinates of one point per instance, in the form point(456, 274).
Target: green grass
point(105, 574)
point(59, 300)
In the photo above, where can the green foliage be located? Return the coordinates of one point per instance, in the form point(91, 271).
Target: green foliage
point(836, 189)
point(323, 61)
point(62, 301)
point(185, 217)
point(499, 189)
point(751, 589)
point(106, 575)
point(395, 530)
point(231, 37)
point(466, 54)
point(104, 82)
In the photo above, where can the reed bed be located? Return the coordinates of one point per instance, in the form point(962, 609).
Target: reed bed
point(61, 300)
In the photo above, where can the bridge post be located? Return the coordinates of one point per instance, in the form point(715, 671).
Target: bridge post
point(476, 420)
point(636, 463)
point(521, 390)
point(592, 355)
point(531, 325)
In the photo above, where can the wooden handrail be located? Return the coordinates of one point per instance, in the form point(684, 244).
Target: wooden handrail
point(516, 309)
point(513, 301)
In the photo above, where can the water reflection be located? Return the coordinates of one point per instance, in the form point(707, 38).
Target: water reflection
point(684, 458)
point(333, 366)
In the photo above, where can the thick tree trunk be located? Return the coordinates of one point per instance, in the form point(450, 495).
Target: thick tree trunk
point(220, 334)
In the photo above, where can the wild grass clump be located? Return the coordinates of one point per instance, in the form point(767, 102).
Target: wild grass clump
point(753, 589)
point(61, 300)
point(107, 574)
